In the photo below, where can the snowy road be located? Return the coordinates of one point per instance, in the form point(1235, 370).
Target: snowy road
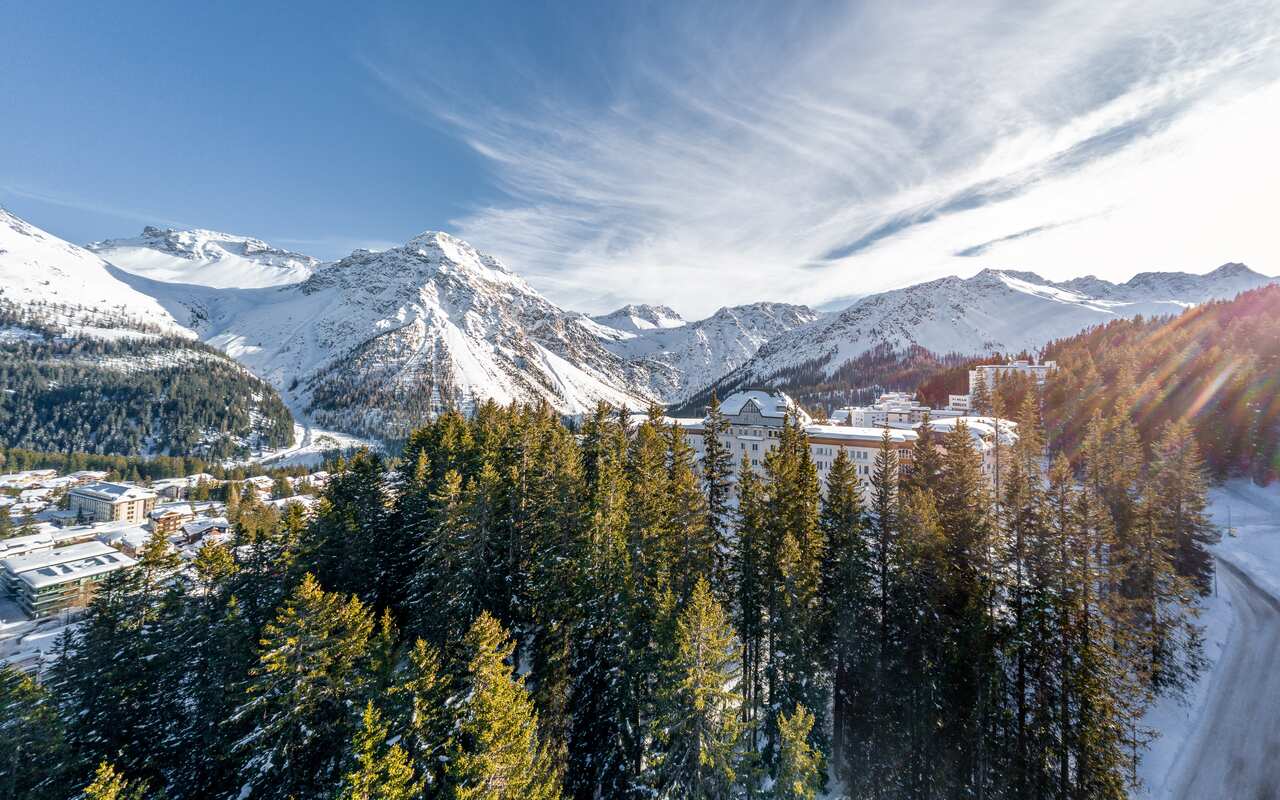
point(1235, 750)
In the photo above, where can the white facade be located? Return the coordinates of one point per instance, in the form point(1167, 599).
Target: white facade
point(993, 373)
point(112, 502)
point(755, 426)
point(890, 410)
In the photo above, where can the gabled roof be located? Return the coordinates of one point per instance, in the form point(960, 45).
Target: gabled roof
point(771, 406)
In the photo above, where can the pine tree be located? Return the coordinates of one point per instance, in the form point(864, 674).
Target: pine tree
point(312, 665)
point(495, 753)
point(377, 771)
point(799, 765)
point(697, 726)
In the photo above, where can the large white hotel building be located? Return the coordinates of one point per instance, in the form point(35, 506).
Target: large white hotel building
point(755, 423)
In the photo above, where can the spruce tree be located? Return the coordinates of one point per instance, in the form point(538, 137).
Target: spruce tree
point(418, 699)
point(110, 784)
point(750, 580)
point(717, 478)
point(1178, 485)
point(495, 753)
point(34, 758)
point(696, 544)
point(799, 764)
point(847, 598)
point(599, 738)
point(796, 668)
point(312, 666)
point(697, 727)
point(377, 771)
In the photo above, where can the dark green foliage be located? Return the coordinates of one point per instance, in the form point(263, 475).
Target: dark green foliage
point(135, 396)
point(511, 610)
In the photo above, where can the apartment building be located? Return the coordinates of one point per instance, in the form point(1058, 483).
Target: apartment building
point(111, 502)
point(46, 582)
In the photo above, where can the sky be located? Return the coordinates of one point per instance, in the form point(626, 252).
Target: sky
point(693, 154)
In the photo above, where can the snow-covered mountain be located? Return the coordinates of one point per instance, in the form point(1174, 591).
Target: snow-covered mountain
point(69, 287)
point(373, 343)
point(206, 258)
point(994, 311)
point(681, 360)
point(635, 319)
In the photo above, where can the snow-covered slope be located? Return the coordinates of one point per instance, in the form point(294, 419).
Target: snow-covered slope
point(373, 343)
point(206, 258)
point(1003, 311)
point(685, 359)
point(69, 287)
point(634, 319)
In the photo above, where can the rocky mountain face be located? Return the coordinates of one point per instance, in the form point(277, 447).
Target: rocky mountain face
point(638, 319)
point(994, 311)
point(375, 342)
point(681, 360)
point(206, 258)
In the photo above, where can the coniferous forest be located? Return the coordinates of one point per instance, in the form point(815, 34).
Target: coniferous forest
point(518, 610)
point(164, 396)
point(1216, 366)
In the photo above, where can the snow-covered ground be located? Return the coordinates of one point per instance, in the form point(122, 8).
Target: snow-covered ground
point(30, 645)
point(310, 446)
point(1191, 728)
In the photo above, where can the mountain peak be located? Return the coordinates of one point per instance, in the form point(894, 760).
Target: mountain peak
point(205, 257)
point(638, 317)
point(1234, 269)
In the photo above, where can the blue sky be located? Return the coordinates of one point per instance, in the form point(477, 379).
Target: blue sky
point(697, 154)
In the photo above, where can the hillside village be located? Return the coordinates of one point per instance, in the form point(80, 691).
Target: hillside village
point(62, 535)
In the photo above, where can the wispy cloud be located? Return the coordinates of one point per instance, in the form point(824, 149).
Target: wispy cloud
point(90, 205)
point(780, 154)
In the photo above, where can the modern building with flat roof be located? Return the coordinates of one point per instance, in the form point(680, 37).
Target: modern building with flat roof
point(112, 502)
point(46, 582)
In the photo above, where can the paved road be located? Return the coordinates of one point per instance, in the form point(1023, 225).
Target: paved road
point(1235, 752)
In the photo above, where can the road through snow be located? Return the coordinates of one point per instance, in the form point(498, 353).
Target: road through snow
point(1235, 750)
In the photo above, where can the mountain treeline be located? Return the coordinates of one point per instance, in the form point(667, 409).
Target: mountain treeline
point(1215, 366)
point(133, 396)
point(519, 611)
point(858, 381)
